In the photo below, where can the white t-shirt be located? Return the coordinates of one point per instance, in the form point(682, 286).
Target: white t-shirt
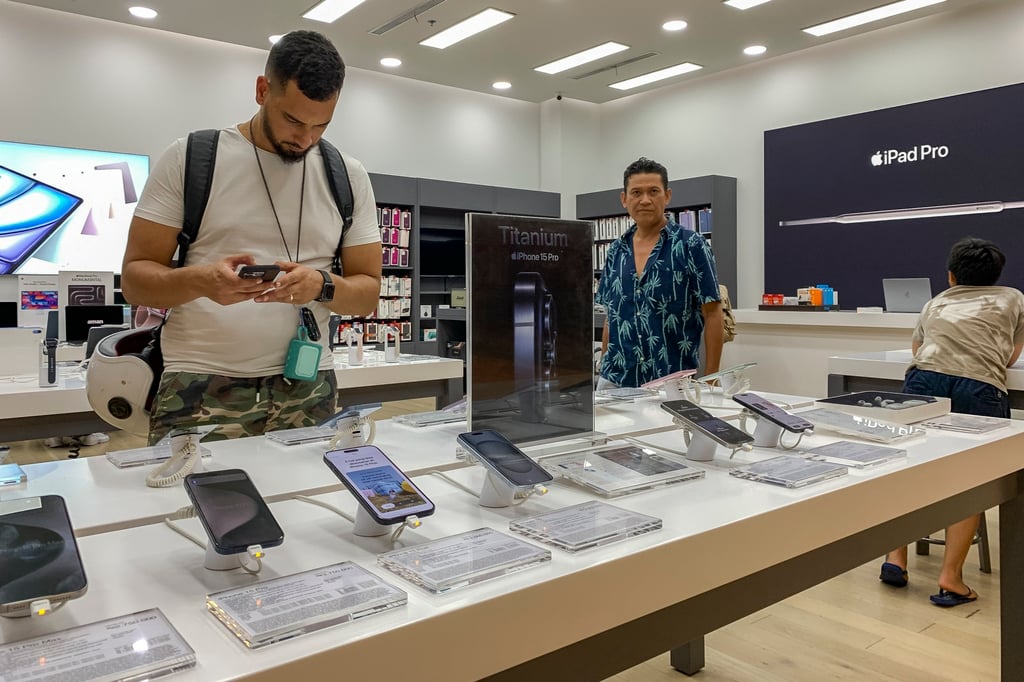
point(251, 339)
point(971, 332)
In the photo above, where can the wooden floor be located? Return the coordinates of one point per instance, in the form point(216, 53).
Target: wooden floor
point(850, 628)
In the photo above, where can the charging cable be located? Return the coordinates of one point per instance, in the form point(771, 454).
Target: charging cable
point(254, 551)
point(412, 521)
point(183, 460)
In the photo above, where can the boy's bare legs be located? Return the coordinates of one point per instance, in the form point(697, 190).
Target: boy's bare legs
point(959, 537)
point(898, 556)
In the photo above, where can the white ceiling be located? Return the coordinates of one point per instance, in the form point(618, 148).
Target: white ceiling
point(542, 31)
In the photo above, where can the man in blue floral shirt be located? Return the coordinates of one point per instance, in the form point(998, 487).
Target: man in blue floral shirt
point(659, 287)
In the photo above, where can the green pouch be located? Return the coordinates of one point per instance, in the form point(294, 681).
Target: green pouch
point(303, 361)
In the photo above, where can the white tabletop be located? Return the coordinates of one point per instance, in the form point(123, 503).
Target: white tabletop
point(833, 318)
point(716, 530)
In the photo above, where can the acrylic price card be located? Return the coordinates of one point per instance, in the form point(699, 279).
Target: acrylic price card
point(274, 610)
point(857, 455)
point(789, 471)
point(586, 525)
point(463, 559)
point(621, 469)
point(139, 646)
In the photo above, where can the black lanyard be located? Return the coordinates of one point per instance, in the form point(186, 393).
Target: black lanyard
point(302, 198)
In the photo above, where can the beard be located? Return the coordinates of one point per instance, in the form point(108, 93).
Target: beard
point(287, 155)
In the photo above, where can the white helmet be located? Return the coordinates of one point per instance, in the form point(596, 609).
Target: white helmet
point(120, 382)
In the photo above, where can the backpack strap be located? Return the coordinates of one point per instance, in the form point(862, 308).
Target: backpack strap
point(200, 157)
point(341, 189)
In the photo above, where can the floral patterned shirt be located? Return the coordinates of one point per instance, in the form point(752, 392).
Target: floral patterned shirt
point(655, 323)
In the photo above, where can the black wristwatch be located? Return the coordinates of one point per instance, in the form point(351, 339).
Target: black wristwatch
point(327, 292)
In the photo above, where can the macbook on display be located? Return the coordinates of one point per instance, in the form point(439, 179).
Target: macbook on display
point(906, 295)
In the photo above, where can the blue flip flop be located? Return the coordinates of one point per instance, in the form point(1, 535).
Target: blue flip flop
point(893, 575)
point(946, 598)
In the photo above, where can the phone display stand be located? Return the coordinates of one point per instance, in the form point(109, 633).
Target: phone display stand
point(682, 389)
point(367, 527)
point(355, 353)
point(766, 434)
point(186, 456)
point(392, 353)
point(700, 448)
point(496, 493)
point(221, 562)
point(351, 432)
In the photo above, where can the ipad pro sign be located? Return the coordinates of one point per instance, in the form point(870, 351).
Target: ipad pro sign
point(853, 200)
point(530, 326)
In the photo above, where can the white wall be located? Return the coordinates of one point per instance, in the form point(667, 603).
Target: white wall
point(716, 124)
point(82, 82)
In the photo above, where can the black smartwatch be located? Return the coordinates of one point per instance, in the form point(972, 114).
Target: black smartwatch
point(327, 292)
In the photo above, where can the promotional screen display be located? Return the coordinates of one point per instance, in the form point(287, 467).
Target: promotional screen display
point(530, 326)
point(378, 485)
point(66, 209)
point(885, 194)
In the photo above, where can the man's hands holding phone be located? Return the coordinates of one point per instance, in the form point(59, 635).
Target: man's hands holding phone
point(239, 278)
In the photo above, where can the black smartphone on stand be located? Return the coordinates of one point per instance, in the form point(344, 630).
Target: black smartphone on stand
point(704, 422)
point(232, 511)
point(502, 457)
point(773, 413)
point(39, 557)
point(379, 486)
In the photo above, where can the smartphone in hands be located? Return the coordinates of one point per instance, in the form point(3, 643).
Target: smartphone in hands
point(503, 458)
point(379, 486)
point(773, 413)
point(232, 511)
point(704, 422)
point(39, 557)
point(265, 273)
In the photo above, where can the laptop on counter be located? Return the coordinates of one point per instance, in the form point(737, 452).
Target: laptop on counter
point(906, 295)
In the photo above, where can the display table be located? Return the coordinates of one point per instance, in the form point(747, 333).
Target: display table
point(884, 370)
point(728, 548)
point(28, 411)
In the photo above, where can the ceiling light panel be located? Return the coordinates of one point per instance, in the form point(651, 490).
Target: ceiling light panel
point(876, 14)
point(142, 12)
point(330, 11)
point(677, 70)
point(489, 18)
point(580, 58)
point(744, 4)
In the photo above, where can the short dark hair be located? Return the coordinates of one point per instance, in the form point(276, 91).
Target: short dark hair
point(976, 262)
point(641, 166)
point(309, 59)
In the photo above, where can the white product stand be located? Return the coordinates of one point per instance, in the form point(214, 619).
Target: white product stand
point(221, 562)
point(367, 527)
point(392, 353)
point(766, 434)
point(496, 493)
point(701, 448)
point(355, 353)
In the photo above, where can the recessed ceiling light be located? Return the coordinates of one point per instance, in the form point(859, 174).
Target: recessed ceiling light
point(574, 60)
point(274, 38)
point(390, 62)
point(501, 85)
point(744, 4)
point(876, 14)
point(674, 25)
point(755, 50)
point(142, 12)
point(489, 18)
point(330, 11)
point(678, 69)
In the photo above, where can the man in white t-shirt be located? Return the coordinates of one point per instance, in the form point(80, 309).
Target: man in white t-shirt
point(226, 339)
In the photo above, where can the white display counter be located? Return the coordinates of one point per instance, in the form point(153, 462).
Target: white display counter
point(792, 348)
point(728, 547)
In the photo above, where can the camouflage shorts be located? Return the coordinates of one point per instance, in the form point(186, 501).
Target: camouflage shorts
point(243, 406)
